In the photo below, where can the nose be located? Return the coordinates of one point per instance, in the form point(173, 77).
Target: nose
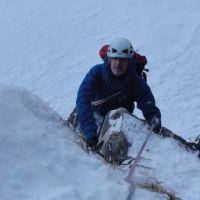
point(119, 61)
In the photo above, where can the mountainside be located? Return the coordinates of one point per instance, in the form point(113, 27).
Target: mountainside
point(46, 48)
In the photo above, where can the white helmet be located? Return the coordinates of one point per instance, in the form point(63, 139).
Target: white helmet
point(120, 48)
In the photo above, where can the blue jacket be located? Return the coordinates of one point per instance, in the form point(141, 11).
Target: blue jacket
point(100, 83)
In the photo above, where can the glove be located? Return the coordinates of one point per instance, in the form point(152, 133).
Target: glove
point(92, 142)
point(156, 123)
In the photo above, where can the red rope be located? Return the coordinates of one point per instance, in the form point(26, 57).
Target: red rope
point(130, 177)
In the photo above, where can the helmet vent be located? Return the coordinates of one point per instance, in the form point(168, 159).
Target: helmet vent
point(114, 50)
point(125, 51)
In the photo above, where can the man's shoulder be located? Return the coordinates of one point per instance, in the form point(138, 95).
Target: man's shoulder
point(98, 68)
point(141, 83)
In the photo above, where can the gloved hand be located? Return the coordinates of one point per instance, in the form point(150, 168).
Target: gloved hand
point(156, 123)
point(92, 142)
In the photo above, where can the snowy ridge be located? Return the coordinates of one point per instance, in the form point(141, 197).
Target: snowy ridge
point(38, 156)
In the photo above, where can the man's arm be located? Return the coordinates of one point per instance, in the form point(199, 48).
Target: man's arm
point(146, 102)
point(85, 96)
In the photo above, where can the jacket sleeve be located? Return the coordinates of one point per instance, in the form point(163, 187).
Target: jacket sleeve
point(84, 99)
point(146, 102)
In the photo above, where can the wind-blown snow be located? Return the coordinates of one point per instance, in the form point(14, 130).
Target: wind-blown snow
point(47, 46)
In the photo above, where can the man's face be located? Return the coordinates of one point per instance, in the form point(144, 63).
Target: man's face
point(119, 66)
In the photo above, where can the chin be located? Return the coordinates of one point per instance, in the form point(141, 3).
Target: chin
point(117, 74)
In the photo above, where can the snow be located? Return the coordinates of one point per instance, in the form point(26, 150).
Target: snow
point(166, 159)
point(46, 48)
point(39, 159)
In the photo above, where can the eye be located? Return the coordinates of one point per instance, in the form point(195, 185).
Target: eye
point(114, 50)
point(125, 51)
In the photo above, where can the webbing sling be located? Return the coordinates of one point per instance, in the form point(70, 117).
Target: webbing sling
point(101, 101)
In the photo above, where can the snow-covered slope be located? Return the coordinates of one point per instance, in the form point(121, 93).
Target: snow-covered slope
point(47, 46)
point(165, 162)
point(39, 159)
